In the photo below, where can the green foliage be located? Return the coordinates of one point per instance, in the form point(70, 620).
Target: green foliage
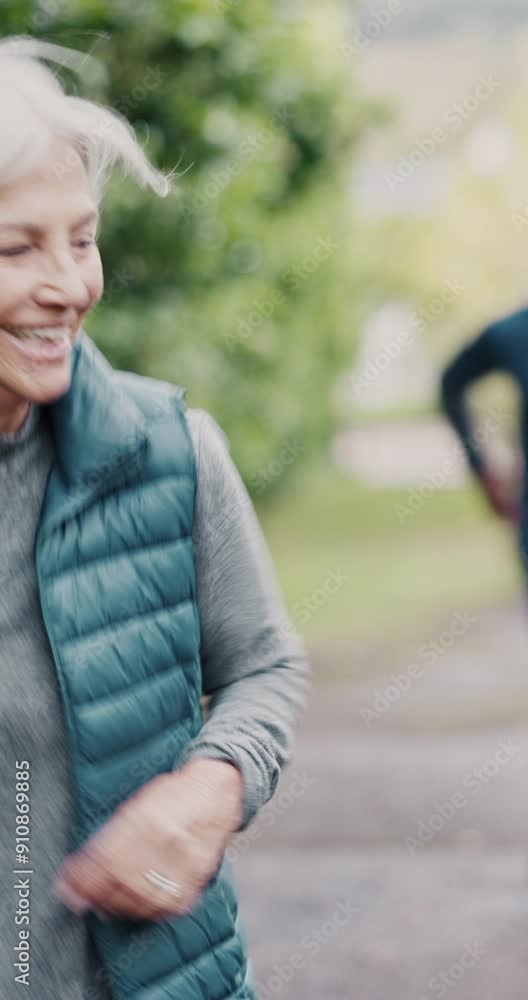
point(254, 106)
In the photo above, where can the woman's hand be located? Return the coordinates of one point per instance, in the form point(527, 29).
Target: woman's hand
point(178, 824)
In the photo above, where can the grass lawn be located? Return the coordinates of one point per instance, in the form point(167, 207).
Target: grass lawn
point(449, 555)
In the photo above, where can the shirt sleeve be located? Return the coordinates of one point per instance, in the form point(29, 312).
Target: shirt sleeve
point(254, 664)
point(475, 360)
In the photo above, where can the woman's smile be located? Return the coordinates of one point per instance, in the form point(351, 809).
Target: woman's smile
point(45, 344)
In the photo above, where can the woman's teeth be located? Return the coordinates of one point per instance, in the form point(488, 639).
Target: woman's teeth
point(39, 333)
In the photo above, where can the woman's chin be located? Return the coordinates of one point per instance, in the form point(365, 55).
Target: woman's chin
point(39, 371)
point(48, 385)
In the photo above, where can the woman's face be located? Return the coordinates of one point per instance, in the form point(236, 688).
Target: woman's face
point(50, 276)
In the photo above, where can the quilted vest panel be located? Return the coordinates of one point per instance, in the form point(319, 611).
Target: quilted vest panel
point(116, 572)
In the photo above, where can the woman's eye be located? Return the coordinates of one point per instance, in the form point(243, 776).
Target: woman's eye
point(83, 244)
point(18, 251)
point(13, 251)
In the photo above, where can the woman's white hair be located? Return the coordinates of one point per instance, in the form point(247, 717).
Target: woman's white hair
point(35, 110)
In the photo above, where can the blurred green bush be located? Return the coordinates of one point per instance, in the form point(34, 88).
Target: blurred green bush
point(242, 285)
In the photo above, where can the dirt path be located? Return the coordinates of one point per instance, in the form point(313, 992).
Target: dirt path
point(395, 865)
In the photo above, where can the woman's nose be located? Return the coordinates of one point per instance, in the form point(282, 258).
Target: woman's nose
point(65, 287)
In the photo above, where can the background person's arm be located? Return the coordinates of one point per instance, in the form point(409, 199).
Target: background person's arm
point(475, 360)
point(254, 665)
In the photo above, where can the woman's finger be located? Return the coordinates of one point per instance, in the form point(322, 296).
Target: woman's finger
point(122, 901)
point(85, 877)
point(84, 884)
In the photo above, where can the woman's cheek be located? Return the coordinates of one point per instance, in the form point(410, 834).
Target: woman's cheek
point(15, 289)
point(96, 284)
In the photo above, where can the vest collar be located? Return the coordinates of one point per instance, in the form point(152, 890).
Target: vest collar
point(98, 431)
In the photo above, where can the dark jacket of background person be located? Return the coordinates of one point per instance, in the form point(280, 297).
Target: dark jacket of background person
point(502, 346)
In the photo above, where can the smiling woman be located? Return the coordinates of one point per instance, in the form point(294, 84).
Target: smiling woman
point(50, 276)
point(138, 581)
point(55, 156)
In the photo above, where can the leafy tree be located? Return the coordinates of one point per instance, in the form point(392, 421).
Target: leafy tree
point(244, 284)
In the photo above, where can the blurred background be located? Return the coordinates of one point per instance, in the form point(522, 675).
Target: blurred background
point(351, 207)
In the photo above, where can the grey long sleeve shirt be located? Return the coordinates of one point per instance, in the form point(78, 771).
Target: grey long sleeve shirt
point(254, 665)
point(254, 669)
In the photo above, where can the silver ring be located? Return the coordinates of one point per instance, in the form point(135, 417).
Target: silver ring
point(174, 888)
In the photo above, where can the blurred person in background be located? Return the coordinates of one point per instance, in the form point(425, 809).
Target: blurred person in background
point(501, 347)
point(135, 580)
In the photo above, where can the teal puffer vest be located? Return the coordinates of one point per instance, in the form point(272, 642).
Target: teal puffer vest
point(115, 565)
